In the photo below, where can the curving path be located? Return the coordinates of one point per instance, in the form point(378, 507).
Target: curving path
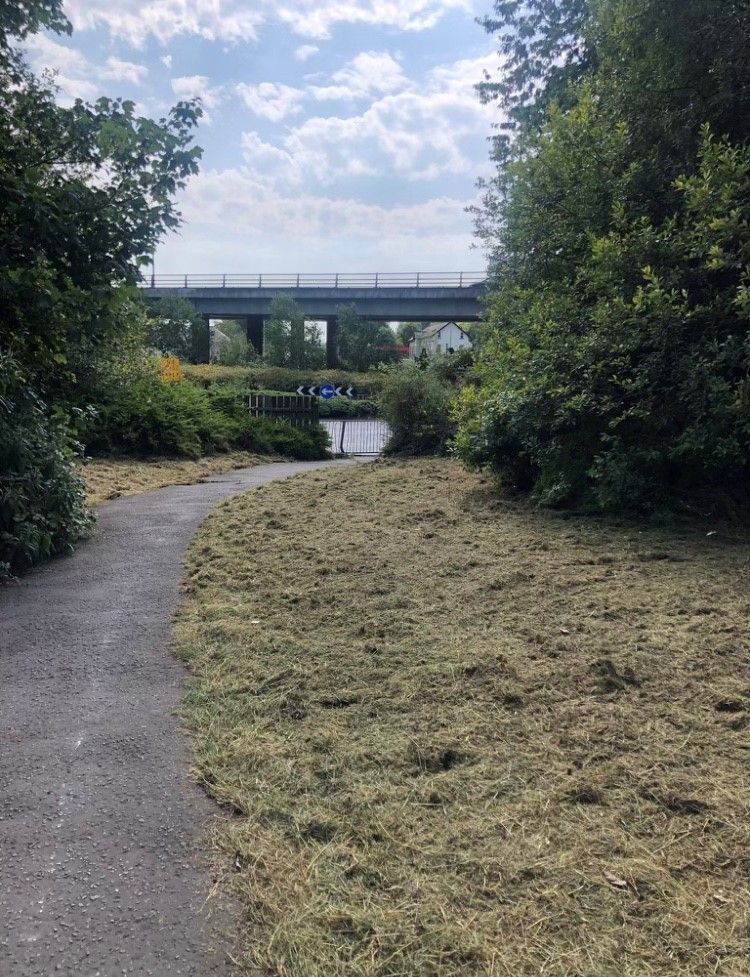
point(99, 870)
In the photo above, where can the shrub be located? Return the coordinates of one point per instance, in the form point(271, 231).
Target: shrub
point(344, 407)
point(278, 437)
point(630, 391)
point(261, 434)
point(416, 405)
point(367, 385)
point(153, 418)
point(42, 497)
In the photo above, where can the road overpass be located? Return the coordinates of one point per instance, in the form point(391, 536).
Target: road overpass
point(386, 297)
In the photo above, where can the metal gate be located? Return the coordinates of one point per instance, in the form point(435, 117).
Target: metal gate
point(357, 437)
point(293, 408)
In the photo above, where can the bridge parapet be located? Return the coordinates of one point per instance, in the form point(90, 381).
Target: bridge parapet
point(417, 279)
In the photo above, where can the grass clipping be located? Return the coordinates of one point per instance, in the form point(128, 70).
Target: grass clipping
point(458, 737)
point(111, 478)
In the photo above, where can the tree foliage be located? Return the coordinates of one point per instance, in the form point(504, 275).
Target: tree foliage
point(173, 327)
point(85, 194)
point(614, 366)
point(415, 402)
point(363, 343)
point(42, 501)
point(289, 339)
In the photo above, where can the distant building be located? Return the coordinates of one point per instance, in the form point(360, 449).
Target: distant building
point(439, 337)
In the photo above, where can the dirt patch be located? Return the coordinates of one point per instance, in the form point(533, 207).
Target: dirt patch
point(462, 738)
point(110, 478)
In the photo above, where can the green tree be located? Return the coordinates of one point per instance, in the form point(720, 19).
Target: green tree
point(364, 343)
point(173, 327)
point(236, 350)
point(612, 369)
point(406, 331)
point(85, 194)
point(289, 339)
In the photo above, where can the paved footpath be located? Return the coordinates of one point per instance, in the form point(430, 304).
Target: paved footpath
point(100, 873)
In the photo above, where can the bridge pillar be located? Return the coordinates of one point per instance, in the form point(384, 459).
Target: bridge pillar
point(332, 342)
point(255, 332)
point(201, 341)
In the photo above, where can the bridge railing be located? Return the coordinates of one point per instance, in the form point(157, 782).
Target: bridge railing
point(417, 279)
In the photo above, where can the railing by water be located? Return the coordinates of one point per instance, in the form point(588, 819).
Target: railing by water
point(397, 279)
point(357, 436)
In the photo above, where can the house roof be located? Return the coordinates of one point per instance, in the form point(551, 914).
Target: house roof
point(433, 329)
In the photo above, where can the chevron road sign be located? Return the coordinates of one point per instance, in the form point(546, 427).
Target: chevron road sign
point(326, 391)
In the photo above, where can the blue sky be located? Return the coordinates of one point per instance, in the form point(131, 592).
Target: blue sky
point(340, 135)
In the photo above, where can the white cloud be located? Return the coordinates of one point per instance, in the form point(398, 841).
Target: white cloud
point(119, 70)
point(271, 100)
point(268, 164)
point(418, 132)
point(305, 51)
point(197, 86)
point(166, 60)
point(136, 20)
point(370, 72)
point(315, 18)
point(75, 76)
point(239, 20)
point(234, 198)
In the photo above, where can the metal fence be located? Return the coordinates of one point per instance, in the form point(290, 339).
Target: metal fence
point(357, 437)
point(416, 279)
point(298, 410)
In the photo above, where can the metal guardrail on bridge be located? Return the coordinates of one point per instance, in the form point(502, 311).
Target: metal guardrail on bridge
point(417, 279)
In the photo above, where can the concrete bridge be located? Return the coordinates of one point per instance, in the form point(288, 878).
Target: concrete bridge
point(387, 297)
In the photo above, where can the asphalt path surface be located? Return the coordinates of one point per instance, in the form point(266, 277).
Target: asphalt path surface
point(101, 873)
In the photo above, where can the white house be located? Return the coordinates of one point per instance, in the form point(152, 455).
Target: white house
point(439, 337)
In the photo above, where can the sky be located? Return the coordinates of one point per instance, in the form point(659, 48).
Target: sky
point(338, 135)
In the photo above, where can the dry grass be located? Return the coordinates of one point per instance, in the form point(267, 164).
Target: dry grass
point(109, 478)
point(457, 737)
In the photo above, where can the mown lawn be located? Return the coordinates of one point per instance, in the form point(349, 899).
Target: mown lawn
point(110, 478)
point(454, 736)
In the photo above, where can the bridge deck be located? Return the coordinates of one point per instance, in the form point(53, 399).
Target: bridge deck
point(418, 296)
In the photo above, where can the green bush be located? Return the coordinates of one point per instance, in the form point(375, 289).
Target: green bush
point(344, 407)
point(149, 417)
point(367, 385)
point(416, 405)
point(278, 437)
point(638, 398)
point(263, 435)
point(42, 497)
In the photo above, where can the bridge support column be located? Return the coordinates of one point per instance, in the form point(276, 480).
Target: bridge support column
point(201, 341)
point(332, 342)
point(255, 332)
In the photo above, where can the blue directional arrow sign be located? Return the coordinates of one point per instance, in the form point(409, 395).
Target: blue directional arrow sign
point(327, 391)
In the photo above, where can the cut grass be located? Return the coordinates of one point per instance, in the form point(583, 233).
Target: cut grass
point(458, 737)
point(109, 478)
